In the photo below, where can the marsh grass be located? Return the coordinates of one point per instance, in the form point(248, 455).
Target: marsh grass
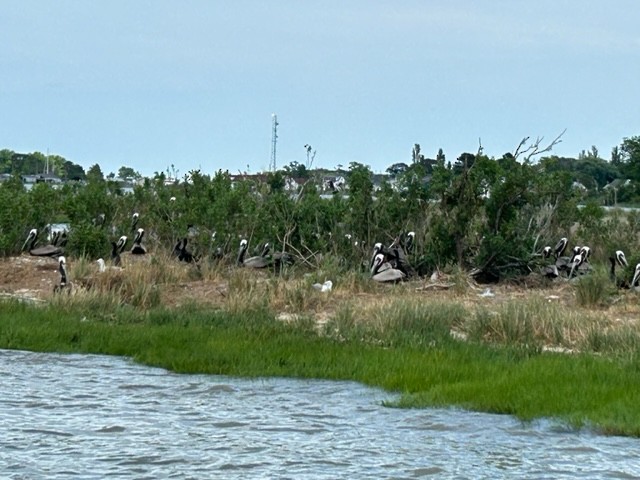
point(534, 322)
point(595, 289)
point(415, 356)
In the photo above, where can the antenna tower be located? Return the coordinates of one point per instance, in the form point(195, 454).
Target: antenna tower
point(274, 141)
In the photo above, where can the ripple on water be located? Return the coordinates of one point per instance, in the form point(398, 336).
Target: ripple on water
point(125, 420)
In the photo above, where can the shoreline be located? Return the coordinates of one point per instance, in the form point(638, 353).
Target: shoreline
point(529, 352)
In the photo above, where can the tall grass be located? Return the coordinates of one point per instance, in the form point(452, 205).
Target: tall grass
point(594, 290)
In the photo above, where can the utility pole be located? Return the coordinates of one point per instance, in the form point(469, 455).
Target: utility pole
point(274, 141)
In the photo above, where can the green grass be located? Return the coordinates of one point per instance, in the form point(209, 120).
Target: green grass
point(402, 348)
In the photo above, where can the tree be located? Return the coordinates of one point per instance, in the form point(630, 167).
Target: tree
point(296, 170)
point(127, 173)
point(630, 149)
point(360, 202)
point(397, 169)
point(94, 174)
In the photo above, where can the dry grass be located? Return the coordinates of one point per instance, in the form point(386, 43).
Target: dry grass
point(562, 315)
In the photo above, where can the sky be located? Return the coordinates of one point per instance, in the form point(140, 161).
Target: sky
point(194, 83)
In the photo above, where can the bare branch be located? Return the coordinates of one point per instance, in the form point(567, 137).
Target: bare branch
point(535, 148)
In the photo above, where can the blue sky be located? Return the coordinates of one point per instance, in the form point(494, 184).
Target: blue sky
point(194, 83)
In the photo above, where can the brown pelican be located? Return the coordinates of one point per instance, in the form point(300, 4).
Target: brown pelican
point(44, 251)
point(636, 277)
point(399, 261)
point(121, 243)
point(183, 254)
point(560, 247)
point(411, 240)
point(550, 271)
point(388, 275)
point(377, 248)
point(117, 248)
point(257, 261)
point(576, 261)
point(64, 281)
point(618, 258)
point(138, 248)
point(134, 221)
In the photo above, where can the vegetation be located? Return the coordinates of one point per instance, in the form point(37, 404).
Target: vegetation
point(498, 359)
point(478, 219)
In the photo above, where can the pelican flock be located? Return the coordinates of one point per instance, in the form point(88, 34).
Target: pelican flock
point(386, 264)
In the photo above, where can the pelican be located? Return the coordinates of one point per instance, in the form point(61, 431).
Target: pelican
point(409, 241)
point(115, 254)
point(388, 275)
point(257, 261)
point(618, 258)
point(560, 247)
point(64, 281)
point(134, 221)
point(122, 243)
point(44, 251)
point(138, 248)
point(400, 262)
point(575, 251)
point(377, 248)
point(184, 255)
point(636, 277)
point(576, 261)
point(550, 271)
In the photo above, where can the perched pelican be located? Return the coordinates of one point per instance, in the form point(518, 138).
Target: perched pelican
point(636, 277)
point(618, 258)
point(575, 251)
point(257, 261)
point(550, 271)
point(377, 248)
point(121, 243)
point(64, 281)
point(44, 251)
point(115, 254)
point(134, 221)
point(400, 261)
point(138, 248)
point(388, 275)
point(560, 247)
point(410, 241)
point(576, 261)
point(183, 254)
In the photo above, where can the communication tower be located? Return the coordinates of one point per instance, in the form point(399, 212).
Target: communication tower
point(274, 141)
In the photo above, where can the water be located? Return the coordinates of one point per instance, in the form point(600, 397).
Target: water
point(87, 416)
